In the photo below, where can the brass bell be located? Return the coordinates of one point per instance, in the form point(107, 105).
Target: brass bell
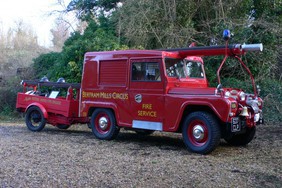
point(244, 111)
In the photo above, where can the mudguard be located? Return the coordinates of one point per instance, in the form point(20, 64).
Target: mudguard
point(42, 108)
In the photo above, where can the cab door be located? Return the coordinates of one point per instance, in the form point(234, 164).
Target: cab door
point(146, 92)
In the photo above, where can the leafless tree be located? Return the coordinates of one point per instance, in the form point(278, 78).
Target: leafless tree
point(18, 47)
point(60, 34)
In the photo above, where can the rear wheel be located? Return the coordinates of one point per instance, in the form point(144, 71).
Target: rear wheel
point(242, 139)
point(103, 124)
point(34, 119)
point(201, 132)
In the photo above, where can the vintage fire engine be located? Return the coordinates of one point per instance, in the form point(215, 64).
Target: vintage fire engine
point(150, 90)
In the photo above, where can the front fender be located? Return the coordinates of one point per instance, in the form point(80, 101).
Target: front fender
point(191, 104)
point(222, 116)
point(42, 108)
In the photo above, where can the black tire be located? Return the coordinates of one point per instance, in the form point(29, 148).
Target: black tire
point(62, 126)
point(34, 119)
point(242, 139)
point(103, 124)
point(201, 132)
point(144, 132)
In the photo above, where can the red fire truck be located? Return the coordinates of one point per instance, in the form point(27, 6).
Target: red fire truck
point(147, 91)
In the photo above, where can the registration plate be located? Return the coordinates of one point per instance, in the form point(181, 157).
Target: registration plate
point(235, 124)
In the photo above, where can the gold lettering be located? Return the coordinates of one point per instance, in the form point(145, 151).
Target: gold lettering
point(50, 101)
point(35, 99)
point(143, 113)
point(147, 106)
point(96, 95)
point(104, 95)
point(27, 98)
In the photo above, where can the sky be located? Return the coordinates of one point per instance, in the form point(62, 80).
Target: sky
point(32, 12)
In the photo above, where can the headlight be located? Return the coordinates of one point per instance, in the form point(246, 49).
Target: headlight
point(256, 117)
point(233, 105)
point(242, 96)
point(227, 94)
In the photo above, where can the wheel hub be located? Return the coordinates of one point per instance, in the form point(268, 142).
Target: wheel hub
point(103, 123)
point(35, 118)
point(198, 132)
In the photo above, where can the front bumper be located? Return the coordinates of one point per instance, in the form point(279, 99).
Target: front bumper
point(240, 124)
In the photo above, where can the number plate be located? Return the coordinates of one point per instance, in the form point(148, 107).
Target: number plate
point(235, 124)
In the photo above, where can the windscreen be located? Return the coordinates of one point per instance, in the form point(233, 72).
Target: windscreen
point(194, 69)
point(174, 68)
point(183, 68)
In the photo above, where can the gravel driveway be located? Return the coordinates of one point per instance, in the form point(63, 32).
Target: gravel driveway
point(74, 158)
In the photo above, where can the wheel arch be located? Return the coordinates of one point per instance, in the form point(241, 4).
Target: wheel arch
point(40, 106)
point(194, 108)
point(110, 107)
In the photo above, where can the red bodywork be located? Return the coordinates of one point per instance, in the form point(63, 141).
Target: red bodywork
point(59, 110)
point(158, 102)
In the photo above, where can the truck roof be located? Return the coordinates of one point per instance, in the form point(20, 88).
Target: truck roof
point(128, 54)
point(230, 50)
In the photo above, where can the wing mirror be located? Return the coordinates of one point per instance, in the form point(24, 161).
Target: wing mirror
point(218, 89)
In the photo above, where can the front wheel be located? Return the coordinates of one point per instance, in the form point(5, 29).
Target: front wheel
point(103, 124)
point(242, 139)
point(201, 132)
point(34, 119)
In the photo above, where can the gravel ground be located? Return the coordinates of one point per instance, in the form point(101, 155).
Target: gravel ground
point(74, 158)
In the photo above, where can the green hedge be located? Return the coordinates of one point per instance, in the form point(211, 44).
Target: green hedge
point(8, 99)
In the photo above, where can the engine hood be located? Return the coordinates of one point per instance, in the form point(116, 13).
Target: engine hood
point(192, 91)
